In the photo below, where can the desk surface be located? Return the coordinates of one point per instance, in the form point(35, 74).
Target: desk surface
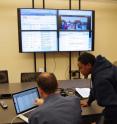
point(16, 87)
point(6, 116)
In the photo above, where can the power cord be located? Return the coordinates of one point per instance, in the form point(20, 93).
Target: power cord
point(54, 60)
point(66, 72)
point(13, 119)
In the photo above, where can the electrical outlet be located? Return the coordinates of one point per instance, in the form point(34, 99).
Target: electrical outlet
point(75, 74)
point(41, 70)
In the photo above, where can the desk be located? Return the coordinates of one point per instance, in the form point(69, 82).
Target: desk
point(15, 87)
point(10, 88)
point(6, 116)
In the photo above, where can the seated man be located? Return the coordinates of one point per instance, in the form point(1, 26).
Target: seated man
point(55, 109)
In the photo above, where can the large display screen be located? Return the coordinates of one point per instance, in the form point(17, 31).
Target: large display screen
point(47, 30)
point(76, 30)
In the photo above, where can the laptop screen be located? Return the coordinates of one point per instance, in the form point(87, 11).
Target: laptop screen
point(25, 100)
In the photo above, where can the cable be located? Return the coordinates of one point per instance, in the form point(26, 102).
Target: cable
point(13, 119)
point(66, 72)
point(54, 60)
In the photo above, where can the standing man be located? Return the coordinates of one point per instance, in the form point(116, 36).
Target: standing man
point(54, 109)
point(104, 84)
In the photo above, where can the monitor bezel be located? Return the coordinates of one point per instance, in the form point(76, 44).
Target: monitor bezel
point(58, 49)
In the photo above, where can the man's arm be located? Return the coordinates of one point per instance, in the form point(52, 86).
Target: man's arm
point(33, 120)
point(91, 96)
point(37, 118)
point(90, 99)
point(105, 92)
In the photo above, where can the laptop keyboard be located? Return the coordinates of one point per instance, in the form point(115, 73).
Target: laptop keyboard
point(27, 114)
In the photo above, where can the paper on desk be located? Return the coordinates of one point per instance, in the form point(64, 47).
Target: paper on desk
point(84, 92)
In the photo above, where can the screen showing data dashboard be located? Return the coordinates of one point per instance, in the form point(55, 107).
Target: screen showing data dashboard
point(50, 30)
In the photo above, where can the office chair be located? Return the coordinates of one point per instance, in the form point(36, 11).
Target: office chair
point(4, 76)
point(29, 76)
point(115, 63)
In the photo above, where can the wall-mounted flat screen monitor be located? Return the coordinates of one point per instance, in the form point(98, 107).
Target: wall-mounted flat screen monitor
point(76, 30)
point(50, 30)
point(37, 30)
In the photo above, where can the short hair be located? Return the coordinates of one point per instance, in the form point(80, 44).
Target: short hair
point(86, 58)
point(48, 82)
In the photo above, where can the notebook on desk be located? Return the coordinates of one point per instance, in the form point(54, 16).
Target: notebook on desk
point(24, 102)
point(83, 92)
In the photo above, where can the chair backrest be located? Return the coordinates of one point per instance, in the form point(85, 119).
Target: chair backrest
point(29, 76)
point(4, 76)
point(115, 63)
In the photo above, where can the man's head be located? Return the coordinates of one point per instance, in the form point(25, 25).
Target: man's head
point(85, 63)
point(47, 83)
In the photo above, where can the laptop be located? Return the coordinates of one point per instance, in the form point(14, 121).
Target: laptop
point(24, 102)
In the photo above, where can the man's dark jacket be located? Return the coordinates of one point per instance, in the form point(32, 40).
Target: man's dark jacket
point(104, 83)
point(57, 110)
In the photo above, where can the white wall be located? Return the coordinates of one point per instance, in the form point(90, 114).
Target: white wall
point(15, 62)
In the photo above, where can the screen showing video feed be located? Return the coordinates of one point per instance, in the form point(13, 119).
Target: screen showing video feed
point(75, 30)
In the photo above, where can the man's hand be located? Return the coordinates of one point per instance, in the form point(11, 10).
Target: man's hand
point(39, 101)
point(83, 103)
